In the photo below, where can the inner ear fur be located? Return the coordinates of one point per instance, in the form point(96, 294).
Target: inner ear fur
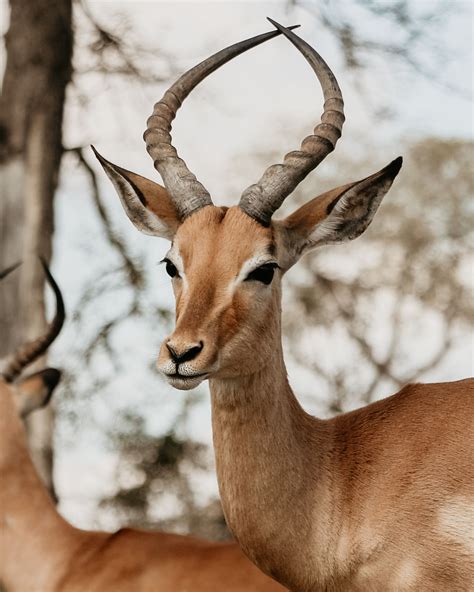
point(146, 203)
point(336, 216)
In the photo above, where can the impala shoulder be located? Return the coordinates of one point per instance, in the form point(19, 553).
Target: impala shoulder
point(450, 397)
point(420, 396)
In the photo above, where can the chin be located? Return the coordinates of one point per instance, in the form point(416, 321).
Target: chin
point(184, 383)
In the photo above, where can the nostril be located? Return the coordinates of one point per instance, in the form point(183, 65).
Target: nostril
point(187, 353)
point(192, 352)
point(173, 353)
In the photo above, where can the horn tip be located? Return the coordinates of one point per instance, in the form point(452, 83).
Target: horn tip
point(274, 23)
point(287, 31)
point(281, 27)
point(52, 283)
point(45, 266)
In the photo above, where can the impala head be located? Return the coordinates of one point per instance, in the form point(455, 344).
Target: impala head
point(226, 264)
point(35, 390)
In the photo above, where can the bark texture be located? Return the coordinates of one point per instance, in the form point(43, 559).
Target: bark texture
point(38, 69)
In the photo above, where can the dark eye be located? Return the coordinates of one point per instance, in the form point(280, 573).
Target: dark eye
point(263, 274)
point(170, 268)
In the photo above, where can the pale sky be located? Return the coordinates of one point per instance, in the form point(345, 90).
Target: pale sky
point(267, 98)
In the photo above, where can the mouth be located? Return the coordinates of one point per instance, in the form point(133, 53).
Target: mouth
point(185, 382)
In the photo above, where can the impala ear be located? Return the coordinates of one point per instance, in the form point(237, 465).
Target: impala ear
point(34, 391)
point(337, 216)
point(147, 204)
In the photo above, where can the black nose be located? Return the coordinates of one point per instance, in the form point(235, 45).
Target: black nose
point(186, 354)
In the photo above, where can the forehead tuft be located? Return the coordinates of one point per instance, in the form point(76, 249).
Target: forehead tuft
point(227, 234)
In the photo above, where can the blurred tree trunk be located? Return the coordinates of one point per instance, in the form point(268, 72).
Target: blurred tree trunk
point(38, 69)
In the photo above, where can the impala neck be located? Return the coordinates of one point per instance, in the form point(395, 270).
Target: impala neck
point(267, 450)
point(33, 535)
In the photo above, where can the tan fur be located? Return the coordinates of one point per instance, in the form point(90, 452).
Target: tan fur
point(210, 311)
point(304, 219)
point(375, 500)
point(358, 503)
point(156, 198)
point(41, 552)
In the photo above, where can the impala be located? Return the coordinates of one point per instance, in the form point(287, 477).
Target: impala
point(378, 499)
point(41, 552)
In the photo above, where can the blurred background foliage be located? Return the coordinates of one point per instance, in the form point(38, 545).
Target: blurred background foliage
point(359, 320)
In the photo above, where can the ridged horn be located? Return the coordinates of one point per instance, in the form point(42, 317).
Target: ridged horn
point(262, 199)
point(30, 351)
point(187, 193)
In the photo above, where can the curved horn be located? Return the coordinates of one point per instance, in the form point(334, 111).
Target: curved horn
point(186, 191)
point(261, 200)
point(31, 350)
